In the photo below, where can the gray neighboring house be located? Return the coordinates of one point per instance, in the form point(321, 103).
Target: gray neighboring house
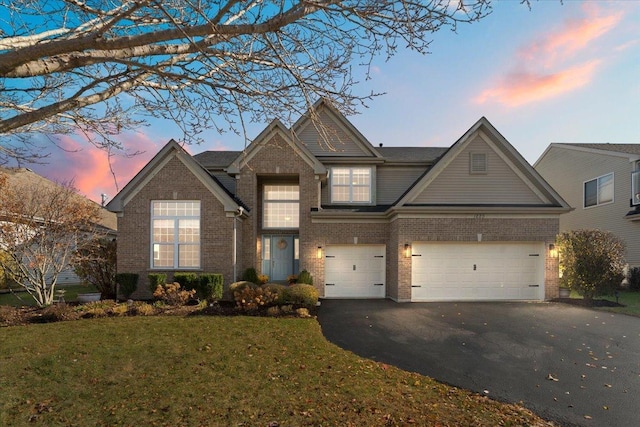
point(602, 183)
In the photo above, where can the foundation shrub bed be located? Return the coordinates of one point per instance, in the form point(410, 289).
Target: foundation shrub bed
point(278, 290)
point(155, 280)
point(127, 284)
point(250, 299)
point(210, 287)
point(301, 294)
point(174, 294)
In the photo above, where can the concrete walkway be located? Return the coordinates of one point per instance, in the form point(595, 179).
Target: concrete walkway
point(572, 365)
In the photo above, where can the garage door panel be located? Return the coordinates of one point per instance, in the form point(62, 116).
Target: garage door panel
point(477, 271)
point(366, 280)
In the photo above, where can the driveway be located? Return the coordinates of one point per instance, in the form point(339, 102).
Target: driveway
point(572, 365)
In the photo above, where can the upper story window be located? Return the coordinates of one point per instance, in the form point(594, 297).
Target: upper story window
point(351, 185)
point(281, 207)
point(598, 191)
point(175, 234)
point(478, 163)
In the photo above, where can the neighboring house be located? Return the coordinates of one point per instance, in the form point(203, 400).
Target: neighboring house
point(471, 222)
point(28, 179)
point(602, 183)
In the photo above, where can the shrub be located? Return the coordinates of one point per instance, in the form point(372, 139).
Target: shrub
point(119, 309)
point(305, 277)
point(250, 275)
point(273, 311)
point(251, 299)
point(142, 309)
point(301, 294)
point(188, 281)
point(127, 284)
point(5, 260)
point(95, 263)
point(286, 309)
point(262, 279)
point(211, 287)
point(278, 291)
point(634, 278)
point(57, 313)
point(155, 280)
point(291, 279)
point(591, 262)
point(173, 295)
point(303, 312)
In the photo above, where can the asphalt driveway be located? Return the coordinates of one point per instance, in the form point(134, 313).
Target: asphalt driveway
point(572, 365)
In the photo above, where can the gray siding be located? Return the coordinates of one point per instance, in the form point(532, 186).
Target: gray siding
point(393, 181)
point(500, 185)
point(566, 170)
point(333, 141)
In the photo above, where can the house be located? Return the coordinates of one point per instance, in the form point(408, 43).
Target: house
point(602, 183)
point(470, 222)
point(31, 184)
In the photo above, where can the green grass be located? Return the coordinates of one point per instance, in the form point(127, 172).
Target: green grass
point(25, 299)
point(217, 371)
point(630, 299)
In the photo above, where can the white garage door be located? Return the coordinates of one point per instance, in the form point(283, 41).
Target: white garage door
point(477, 271)
point(354, 271)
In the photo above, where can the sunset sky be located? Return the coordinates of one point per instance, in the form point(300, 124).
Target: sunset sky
point(558, 73)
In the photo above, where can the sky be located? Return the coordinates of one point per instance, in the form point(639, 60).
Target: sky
point(560, 72)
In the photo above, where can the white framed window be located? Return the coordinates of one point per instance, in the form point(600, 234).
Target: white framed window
point(635, 187)
point(175, 234)
point(281, 206)
point(351, 185)
point(478, 163)
point(598, 191)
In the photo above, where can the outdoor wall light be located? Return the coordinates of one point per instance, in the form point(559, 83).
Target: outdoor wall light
point(553, 251)
point(319, 252)
point(407, 250)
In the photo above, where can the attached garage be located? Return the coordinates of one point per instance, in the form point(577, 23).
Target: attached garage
point(477, 271)
point(355, 271)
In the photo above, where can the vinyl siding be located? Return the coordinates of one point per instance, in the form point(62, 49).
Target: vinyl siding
point(566, 170)
point(336, 142)
point(393, 181)
point(455, 185)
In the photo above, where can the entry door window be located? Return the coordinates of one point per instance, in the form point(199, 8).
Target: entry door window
point(281, 206)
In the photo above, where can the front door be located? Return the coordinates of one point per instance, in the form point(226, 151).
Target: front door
point(278, 261)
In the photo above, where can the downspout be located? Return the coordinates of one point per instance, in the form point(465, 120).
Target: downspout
point(238, 213)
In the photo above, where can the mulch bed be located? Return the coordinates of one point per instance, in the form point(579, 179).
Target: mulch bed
point(581, 302)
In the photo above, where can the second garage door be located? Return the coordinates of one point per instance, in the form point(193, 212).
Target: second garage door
point(477, 271)
point(355, 271)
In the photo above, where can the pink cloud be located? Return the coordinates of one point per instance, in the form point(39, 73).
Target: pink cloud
point(555, 64)
point(520, 88)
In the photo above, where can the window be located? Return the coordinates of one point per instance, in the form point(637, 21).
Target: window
point(635, 188)
point(477, 163)
point(351, 185)
point(598, 191)
point(175, 234)
point(281, 207)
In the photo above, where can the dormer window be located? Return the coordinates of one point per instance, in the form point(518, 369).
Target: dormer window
point(351, 185)
point(478, 163)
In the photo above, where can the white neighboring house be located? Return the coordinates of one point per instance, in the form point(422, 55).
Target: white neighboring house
point(602, 183)
point(25, 176)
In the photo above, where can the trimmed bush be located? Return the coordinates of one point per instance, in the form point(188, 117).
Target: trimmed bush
point(210, 287)
point(278, 290)
point(250, 299)
point(305, 277)
point(251, 275)
point(155, 280)
point(127, 284)
point(634, 278)
point(301, 294)
point(188, 281)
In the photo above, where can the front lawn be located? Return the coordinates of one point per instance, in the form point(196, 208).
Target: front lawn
point(631, 301)
point(217, 371)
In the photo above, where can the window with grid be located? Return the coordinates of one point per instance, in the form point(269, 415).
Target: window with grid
point(281, 206)
point(351, 185)
point(478, 163)
point(598, 191)
point(175, 234)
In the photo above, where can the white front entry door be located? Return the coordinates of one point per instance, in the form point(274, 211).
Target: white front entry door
point(477, 271)
point(355, 271)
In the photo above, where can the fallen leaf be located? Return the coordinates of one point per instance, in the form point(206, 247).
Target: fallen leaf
point(587, 417)
point(551, 378)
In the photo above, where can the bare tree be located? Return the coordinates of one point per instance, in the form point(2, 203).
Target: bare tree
point(41, 224)
point(88, 66)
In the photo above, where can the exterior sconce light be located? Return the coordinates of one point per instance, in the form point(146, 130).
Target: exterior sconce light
point(553, 251)
point(407, 250)
point(319, 252)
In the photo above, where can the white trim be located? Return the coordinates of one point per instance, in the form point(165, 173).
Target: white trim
point(176, 243)
point(351, 186)
point(613, 196)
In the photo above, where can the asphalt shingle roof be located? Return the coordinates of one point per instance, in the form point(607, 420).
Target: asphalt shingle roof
point(620, 148)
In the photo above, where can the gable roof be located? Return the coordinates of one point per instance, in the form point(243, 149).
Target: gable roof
point(275, 128)
point(173, 150)
point(216, 159)
point(29, 179)
point(504, 150)
point(630, 151)
point(339, 128)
